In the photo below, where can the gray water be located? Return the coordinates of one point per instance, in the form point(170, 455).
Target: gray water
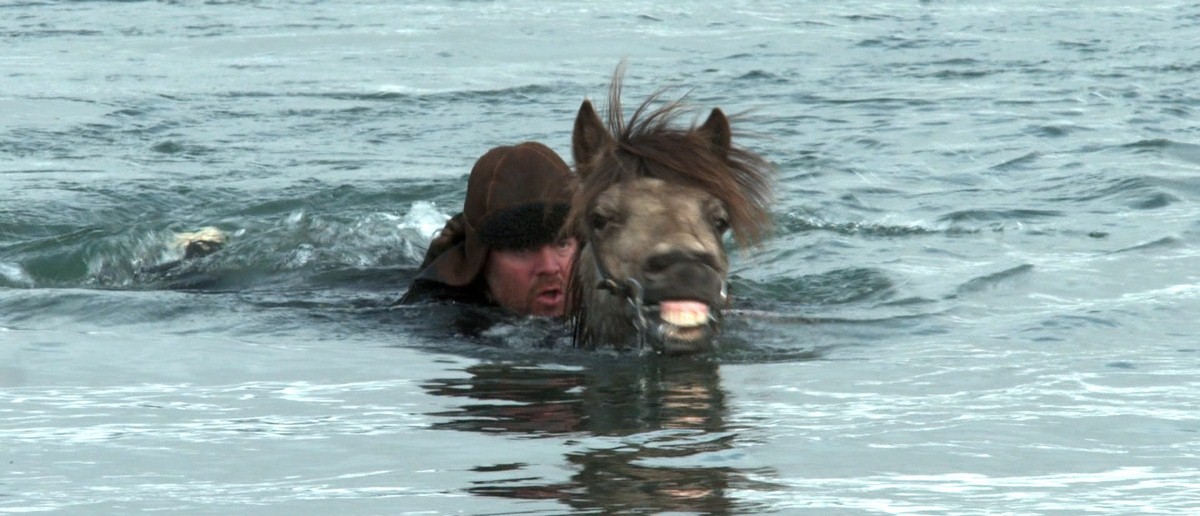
point(979, 298)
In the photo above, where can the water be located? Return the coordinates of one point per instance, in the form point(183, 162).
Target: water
point(979, 297)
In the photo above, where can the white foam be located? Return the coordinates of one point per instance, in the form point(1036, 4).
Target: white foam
point(14, 274)
point(425, 219)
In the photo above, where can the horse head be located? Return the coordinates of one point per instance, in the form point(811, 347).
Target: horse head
point(654, 203)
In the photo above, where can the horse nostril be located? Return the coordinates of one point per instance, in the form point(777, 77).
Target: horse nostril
point(660, 262)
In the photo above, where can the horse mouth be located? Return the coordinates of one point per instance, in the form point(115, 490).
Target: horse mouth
point(684, 327)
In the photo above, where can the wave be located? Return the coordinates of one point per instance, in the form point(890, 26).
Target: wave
point(955, 223)
point(791, 223)
point(1140, 192)
point(1186, 152)
point(998, 214)
point(1153, 245)
point(994, 280)
point(13, 275)
point(762, 76)
point(397, 92)
point(271, 239)
point(1023, 162)
point(836, 287)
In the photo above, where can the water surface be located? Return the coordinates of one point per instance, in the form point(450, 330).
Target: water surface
point(979, 296)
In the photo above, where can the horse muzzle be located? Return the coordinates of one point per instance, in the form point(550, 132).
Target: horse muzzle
point(676, 318)
point(681, 327)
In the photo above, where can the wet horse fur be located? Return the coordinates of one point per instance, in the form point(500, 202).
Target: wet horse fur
point(654, 202)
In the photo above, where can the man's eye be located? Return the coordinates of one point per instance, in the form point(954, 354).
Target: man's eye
point(521, 254)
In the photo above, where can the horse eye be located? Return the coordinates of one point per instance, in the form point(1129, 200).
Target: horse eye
point(721, 225)
point(598, 222)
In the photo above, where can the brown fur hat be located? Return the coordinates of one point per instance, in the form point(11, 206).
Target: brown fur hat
point(517, 198)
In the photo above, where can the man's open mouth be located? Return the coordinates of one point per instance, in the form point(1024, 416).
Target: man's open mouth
point(551, 295)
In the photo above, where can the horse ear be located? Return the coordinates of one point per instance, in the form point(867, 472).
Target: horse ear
point(589, 137)
point(716, 130)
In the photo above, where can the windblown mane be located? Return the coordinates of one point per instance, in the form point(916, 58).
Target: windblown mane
point(650, 144)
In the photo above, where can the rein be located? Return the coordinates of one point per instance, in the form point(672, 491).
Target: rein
point(630, 289)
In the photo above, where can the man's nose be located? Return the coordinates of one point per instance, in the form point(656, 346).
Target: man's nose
point(549, 260)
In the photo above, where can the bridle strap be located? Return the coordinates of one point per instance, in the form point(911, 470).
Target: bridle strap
point(630, 289)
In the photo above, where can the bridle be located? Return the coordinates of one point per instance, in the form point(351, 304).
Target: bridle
point(635, 297)
point(629, 289)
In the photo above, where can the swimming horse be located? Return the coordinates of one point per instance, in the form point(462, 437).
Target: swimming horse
point(654, 202)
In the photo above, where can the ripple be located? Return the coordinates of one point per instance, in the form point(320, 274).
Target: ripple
point(1123, 490)
point(393, 93)
point(1187, 152)
point(1056, 130)
point(994, 280)
point(761, 75)
point(174, 147)
point(795, 223)
point(1137, 192)
point(187, 413)
point(842, 286)
point(1154, 201)
point(1023, 162)
point(994, 215)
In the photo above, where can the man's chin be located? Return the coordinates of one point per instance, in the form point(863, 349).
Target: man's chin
point(547, 311)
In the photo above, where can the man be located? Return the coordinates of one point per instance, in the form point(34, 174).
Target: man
point(504, 248)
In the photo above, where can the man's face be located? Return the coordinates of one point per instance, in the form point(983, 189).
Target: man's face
point(531, 281)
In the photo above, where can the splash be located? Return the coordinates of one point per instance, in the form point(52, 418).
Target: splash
point(13, 275)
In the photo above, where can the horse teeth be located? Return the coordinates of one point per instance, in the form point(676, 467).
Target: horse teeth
point(684, 313)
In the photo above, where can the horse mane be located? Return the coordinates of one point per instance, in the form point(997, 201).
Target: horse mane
point(652, 144)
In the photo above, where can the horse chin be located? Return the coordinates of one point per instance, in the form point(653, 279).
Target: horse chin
point(683, 327)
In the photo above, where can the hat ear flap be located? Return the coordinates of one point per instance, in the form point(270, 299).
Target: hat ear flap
point(453, 233)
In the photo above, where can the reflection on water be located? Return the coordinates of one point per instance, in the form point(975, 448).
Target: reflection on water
point(667, 417)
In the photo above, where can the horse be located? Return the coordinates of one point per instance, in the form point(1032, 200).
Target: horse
point(652, 203)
